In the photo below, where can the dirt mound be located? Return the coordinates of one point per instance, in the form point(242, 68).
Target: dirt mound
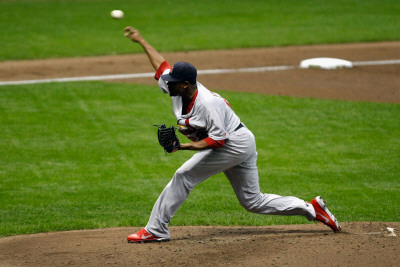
point(359, 244)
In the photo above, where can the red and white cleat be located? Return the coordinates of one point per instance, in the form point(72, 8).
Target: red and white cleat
point(324, 215)
point(145, 237)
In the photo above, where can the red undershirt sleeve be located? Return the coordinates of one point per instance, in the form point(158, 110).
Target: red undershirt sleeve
point(165, 65)
point(214, 143)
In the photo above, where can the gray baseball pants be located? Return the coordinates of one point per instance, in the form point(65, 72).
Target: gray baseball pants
point(238, 160)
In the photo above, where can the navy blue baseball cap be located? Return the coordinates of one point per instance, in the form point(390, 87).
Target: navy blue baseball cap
point(182, 71)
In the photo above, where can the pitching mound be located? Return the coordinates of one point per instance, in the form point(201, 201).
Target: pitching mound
point(359, 244)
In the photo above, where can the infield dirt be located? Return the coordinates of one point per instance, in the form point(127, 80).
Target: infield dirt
point(359, 244)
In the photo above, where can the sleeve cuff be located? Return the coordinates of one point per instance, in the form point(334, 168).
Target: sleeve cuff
point(214, 143)
point(164, 66)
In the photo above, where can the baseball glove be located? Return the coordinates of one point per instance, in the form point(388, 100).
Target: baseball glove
point(167, 138)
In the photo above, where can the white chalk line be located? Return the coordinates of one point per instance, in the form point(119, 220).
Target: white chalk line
point(202, 72)
point(376, 62)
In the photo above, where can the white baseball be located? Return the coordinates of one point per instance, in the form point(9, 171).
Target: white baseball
point(117, 14)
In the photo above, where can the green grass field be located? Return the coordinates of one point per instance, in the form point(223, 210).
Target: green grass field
point(43, 29)
point(85, 155)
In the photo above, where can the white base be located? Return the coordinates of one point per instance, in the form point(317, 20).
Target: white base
point(325, 63)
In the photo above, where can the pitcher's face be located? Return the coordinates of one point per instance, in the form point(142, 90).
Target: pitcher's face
point(177, 88)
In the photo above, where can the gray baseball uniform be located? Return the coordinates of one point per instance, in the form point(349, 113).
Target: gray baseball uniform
point(236, 157)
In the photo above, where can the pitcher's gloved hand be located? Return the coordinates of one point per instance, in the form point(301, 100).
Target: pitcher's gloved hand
point(167, 138)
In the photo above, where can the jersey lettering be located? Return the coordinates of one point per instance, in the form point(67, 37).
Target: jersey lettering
point(217, 95)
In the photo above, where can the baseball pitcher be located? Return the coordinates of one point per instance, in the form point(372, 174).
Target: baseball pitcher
point(224, 144)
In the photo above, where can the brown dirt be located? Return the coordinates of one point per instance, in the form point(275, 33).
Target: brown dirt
point(360, 243)
point(361, 83)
